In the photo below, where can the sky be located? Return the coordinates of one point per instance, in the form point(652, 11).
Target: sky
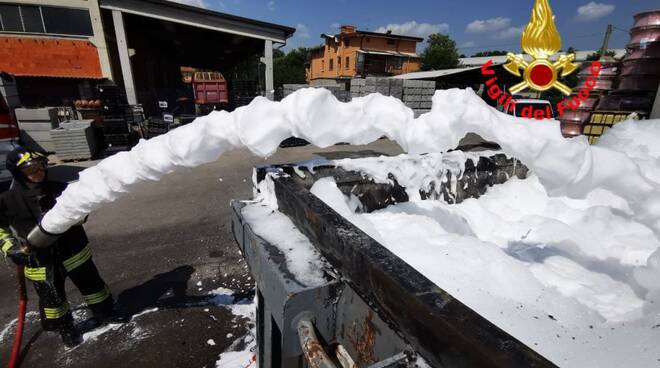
point(474, 25)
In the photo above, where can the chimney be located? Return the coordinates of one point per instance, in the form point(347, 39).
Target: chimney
point(389, 32)
point(347, 29)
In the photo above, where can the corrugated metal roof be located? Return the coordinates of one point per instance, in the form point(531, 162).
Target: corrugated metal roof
point(433, 73)
point(49, 57)
point(579, 57)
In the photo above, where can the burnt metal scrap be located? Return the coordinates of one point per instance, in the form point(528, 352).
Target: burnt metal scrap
point(472, 182)
point(383, 307)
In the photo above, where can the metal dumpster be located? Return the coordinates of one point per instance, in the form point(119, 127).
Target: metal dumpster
point(373, 310)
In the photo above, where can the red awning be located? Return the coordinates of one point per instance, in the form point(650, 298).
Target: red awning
point(47, 57)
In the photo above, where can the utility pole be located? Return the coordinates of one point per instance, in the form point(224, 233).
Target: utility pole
point(606, 41)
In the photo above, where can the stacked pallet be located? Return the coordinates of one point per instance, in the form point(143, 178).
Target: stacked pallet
point(156, 127)
point(242, 92)
point(36, 125)
point(418, 95)
point(75, 140)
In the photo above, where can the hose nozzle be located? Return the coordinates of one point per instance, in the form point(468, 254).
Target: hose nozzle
point(40, 238)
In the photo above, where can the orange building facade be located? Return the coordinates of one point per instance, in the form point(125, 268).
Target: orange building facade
point(353, 53)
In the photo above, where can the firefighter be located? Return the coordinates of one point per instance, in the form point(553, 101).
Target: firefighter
point(21, 208)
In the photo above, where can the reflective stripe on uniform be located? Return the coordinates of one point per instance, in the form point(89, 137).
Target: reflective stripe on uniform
point(73, 262)
point(35, 274)
point(6, 245)
point(97, 297)
point(4, 233)
point(55, 313)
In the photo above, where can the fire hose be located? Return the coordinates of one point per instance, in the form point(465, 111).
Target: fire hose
point(22, 305)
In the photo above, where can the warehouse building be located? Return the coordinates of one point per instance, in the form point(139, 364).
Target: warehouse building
point(53, 52)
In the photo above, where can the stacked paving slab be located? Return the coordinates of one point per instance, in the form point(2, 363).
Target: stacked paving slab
point(35, 126)
point(75, 140)
point(384, 86)
point(340, 94)
point(415, 94)
point(418, 95)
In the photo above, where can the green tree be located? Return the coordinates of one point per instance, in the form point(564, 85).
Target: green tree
point(596, 55)
point(290, 68)
point(441, 53)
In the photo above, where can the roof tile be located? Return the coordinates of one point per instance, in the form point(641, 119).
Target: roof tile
point(41, 57)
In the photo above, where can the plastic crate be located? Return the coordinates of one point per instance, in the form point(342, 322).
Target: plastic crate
point(601, 121)
point(116, 139)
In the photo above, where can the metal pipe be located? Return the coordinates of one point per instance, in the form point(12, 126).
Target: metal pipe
point(311, 346)
point(40, 238)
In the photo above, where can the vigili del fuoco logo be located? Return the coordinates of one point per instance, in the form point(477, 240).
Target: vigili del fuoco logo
point(541, 41)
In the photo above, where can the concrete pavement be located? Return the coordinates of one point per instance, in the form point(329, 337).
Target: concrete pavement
point(164, 250)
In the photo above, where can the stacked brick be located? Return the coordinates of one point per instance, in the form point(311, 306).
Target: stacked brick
point(418, 95)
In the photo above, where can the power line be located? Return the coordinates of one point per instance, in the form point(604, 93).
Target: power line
point(622, 30)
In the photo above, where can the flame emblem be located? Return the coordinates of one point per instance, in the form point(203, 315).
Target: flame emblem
point(541, 40)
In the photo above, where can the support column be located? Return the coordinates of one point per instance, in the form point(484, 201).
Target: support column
point(268, 61)
point(655, 113)
point(124, 59)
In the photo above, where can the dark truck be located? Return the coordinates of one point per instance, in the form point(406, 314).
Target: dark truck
point(374, 310)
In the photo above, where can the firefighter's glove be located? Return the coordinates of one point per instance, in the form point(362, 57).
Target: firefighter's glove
point(12, 249)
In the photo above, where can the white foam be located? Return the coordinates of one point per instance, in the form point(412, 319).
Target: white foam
point(564, 167)
point(555, 272)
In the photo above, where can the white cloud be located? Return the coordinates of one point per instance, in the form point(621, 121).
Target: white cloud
point(508, 33)
point(593, 11)
point(467, 45)
point(271, 5)
point(301, 38)
point(415, 29)
point(488, 25)
point(301, 31)
point(197, 3)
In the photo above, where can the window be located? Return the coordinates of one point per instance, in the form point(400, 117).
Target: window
point(348, 62)
point(391, 41)
point(10, 18)
point(45, 19)
point(368, 39)
point(32, 19)
point(338, 62)
point(322, 65)
point(332, 64)
point(67, 21)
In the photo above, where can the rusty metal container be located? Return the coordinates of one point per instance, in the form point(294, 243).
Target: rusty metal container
point(608, 69)
point(575, 117)
point(646, 19)
point(639, 83)
point(570, 130)
point(590, 103)
point(626, 101)
point(652, 51)
point(641, 67)
point(603, 84)
point(643, 37)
